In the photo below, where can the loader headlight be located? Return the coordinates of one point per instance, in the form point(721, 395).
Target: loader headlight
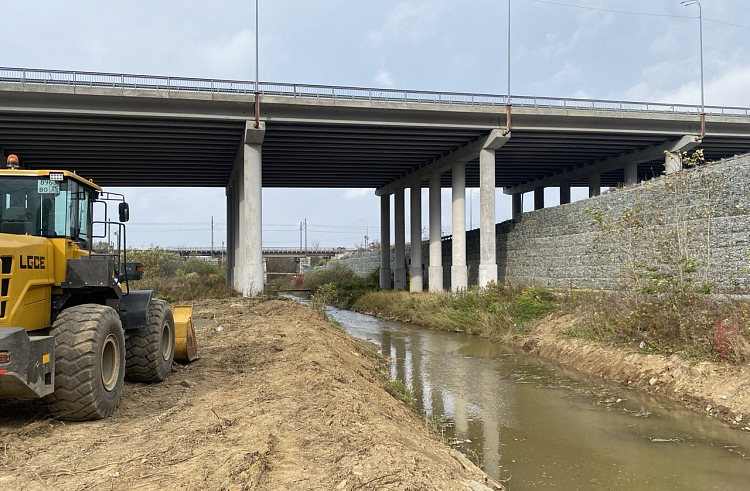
point(56, 176)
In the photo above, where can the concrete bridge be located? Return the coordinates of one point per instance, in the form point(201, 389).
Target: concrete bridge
point(268, 252)
point(135, 130)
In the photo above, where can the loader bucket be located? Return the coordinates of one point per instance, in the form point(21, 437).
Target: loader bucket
point(185, 345)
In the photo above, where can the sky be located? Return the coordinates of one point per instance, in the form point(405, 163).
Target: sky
point(604, 49)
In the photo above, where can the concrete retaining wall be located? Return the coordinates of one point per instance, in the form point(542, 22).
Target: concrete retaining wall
point(563, 246)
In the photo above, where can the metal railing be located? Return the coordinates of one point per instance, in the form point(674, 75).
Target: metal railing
point(266, 250)
point(307, 91)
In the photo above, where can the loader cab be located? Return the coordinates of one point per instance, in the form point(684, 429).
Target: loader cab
point(46, 204)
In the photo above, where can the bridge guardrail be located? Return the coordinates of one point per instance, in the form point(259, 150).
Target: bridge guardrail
point(185, 84)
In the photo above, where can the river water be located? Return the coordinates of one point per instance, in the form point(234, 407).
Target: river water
point(536, 425)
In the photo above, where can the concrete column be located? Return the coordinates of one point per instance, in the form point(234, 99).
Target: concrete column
point(539, 198)
point(436, 246)
point(229, 265)
point(517, 208)
point(631, 174)
point(595, 185)
point(237, 198)
point(251, 211)
point(399, 273)
point(487, 240)
point(565, 193)
point(459, 272)
point(672, 162)
point(385, 241)
point(415, 196)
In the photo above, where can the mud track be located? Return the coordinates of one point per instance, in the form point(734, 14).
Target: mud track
point(280, 399)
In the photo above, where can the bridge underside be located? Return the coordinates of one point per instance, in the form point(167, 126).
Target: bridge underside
point(120, 137)
point(170, 151)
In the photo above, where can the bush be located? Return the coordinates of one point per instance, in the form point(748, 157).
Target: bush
point(338, 285)
point(178, 279)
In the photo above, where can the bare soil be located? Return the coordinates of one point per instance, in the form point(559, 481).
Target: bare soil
point(280, 399)
point(720, 390)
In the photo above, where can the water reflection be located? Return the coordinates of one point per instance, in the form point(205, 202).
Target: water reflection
point(544, 426)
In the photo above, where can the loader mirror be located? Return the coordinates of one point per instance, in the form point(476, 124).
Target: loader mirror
point(124, 212)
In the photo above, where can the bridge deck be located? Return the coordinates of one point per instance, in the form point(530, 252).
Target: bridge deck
point(131, 130)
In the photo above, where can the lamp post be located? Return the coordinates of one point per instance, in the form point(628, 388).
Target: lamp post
point(507, 101)
point(700, 23)
point(367, 233)
point(257, 64)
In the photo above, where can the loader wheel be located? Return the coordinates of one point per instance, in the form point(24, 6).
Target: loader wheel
point(89, 363)
point(150, 350)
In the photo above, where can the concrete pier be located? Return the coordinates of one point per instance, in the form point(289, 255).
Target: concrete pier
point(459, 271)
point(595, 184)
point(399, 272)
point(565, 193)
point(539, 198)
point(487, 241)
point(517, 205)
point(672, 162)
point(415, 197)
point(631, 174)
point(247, 236)
point(385, 241)
point(436, 247)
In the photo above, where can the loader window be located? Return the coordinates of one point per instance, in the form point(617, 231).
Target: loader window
point(37, 206)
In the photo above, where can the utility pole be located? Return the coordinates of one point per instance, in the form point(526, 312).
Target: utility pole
point(212, 237)
point(300, 236)
point(305, 236)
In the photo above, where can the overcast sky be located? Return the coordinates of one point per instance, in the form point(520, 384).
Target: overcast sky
point(558, 50)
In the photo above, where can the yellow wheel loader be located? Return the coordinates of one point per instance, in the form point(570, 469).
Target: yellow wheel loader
point(71, 329)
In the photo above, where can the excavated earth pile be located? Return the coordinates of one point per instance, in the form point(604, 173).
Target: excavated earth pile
point(279, 399)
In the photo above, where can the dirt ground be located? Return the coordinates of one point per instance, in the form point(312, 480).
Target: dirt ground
point(720, 390)
point(280, 399)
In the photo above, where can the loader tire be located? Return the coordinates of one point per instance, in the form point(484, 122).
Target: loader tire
point(89, 363)
point(150, 350)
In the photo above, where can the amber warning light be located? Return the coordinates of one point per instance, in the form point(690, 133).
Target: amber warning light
point(12, 161)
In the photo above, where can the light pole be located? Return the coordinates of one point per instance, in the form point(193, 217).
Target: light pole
point(367, 233)
point(700, 23)
point(257, 64)
point(507, 101)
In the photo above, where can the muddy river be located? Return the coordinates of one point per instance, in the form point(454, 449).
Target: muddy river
point(535, 425)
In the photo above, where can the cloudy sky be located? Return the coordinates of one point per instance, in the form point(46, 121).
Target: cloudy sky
point(612, 49)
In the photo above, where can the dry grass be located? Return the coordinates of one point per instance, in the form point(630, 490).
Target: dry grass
point(495, 312)
point(706, 327)
point(188, 288)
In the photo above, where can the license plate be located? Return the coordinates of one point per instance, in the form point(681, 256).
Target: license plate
point(45, 186)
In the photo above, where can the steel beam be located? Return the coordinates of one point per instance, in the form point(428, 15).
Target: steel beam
point(494, 140)
point(655, 152)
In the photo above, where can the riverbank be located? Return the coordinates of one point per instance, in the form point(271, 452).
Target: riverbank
point(279, 399)
point(560, 329)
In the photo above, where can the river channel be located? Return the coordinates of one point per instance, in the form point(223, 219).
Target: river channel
point(536, 425)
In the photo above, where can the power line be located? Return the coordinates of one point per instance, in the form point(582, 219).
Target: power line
point(631, 12)
point(726, 23)
point(601, 9)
